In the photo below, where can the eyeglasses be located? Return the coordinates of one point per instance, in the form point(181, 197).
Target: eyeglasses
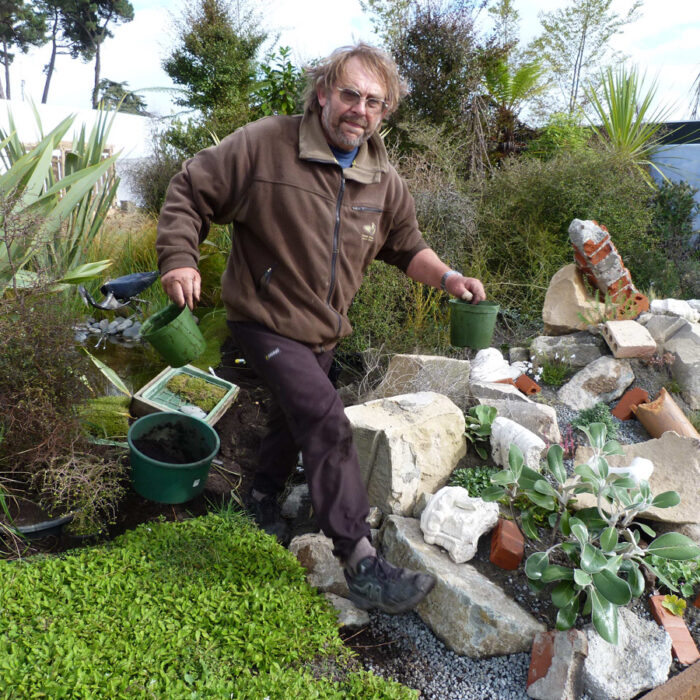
point(351, 97)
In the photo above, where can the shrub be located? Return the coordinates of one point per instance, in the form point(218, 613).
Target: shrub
point(475, 480)
point(524, 213)
point(600, 413)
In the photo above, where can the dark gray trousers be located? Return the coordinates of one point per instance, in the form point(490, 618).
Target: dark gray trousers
point(307, 415)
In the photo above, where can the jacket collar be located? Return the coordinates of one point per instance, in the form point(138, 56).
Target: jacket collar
point(369, 164)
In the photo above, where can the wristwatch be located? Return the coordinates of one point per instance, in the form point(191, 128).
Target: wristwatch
point(443, 279)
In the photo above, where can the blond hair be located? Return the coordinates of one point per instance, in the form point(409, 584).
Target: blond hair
point(326, 74)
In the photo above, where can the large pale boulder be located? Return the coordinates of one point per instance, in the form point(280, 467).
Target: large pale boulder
point(407, 374)
point(497, 390)
point(676, 468)
point(602, 381)
point(640, 661)
point(574, 349)
point(466, 610)
point(505, 432)
point(455, 521)
point(536, 417)
point(407, 445)
point(565, 302)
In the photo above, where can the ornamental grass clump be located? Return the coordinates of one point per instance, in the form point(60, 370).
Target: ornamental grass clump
point(598, 553)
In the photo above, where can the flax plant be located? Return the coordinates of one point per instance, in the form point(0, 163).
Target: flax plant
point(630, 125)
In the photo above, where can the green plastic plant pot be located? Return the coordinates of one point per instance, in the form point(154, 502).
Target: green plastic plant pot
point(471, 325)
point(171, 454)
point(174, 333)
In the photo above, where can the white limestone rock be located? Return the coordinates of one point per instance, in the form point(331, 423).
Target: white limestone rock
point(496, 390)
point(684, 345)
point(640, 661)
point(505, 432)
point(602, 381)
point(565, 302)
point(536, 417)
point(574, 349)
point(467, 611)
point(350, 617)
point(407, 445)
point(675, 307)
point(489, 365)
point(455, 521)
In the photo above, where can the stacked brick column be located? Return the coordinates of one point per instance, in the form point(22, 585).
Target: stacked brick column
point(598, 260)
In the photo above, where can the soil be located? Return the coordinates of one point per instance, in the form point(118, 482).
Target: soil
point(241, 429)
point(172, 443)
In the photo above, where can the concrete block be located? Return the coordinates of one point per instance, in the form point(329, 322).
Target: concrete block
point(628, 339)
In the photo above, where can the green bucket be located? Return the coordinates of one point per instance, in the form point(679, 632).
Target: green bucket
point(174, 333)
point(170, 456)
point(471, 325)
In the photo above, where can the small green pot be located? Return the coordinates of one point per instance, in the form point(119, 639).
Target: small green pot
point(156, 478)
point(174, 333)
point(471, 325)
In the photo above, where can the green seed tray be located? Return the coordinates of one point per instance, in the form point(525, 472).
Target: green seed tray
point(155, 396)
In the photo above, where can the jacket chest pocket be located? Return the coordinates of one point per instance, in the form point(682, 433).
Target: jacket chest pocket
point(363, 232)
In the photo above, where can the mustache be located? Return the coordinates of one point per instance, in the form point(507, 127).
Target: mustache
point(355, 120)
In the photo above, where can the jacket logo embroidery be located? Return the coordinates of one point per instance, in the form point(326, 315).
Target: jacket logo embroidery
point(369, 231)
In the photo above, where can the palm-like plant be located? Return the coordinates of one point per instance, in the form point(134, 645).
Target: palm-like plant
point(509, 88)
point(625, 118)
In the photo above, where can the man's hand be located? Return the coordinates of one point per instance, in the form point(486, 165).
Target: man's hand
point(467, 288)
point(183, 285)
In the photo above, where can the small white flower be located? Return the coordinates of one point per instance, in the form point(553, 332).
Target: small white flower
point(573, 356)
point(640, 469)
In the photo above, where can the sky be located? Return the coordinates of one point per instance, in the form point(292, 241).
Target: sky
point(664, 43)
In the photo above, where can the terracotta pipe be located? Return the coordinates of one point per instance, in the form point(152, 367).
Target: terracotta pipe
point(527, 386)
point(664, 414)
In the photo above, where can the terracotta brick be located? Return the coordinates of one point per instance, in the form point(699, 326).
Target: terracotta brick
point(541, 656)
point(682, 644)
point(507, 545)
point(601, 254)
point(697, 602)
point(505, 381)
point(527, 385)
point(633, 397)
point(684, 686)
point(633, 306)
point(591, 247)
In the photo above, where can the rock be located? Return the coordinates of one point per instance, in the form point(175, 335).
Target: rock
point(661, 328)
point(684, 345)
point(518, 355)
point(132, 331)
point(565, 299)
point(408, 374)
point(490, 366)
point(467, 611)
point(297, 499)
point(575, 349)
point(676, 468)
point(407, 445)
point(505, 432)
point(349, 616)
point(675, 307)
point(495, 390)
point(556, 664)
point(602, 381)
point(455, 521)
point(315, 553)
point(536, 417)
point(374, 519)
point(640, 661)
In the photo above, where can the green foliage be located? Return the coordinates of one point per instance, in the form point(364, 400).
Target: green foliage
point(279, 87)
point(675, 265)
point(673, 386)
point(629, 126)
point(555, 372)
point(106, 417)
point(208, 607)
point(47, 225)
point(683, 575)
point(475, 479)
point(477, 426)
point(114, 95)
point(524, 213)
point(674, 604)
point(214, 60)
point(603, 551)
point(600, 413)
point(694, 418)
point(561, 133)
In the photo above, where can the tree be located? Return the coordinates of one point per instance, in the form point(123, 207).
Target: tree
point(214, 61)
point(575, 43)
point(20, 28)
point(280, 85)
point(87, 23)
point(115, 95)
point(506, 19)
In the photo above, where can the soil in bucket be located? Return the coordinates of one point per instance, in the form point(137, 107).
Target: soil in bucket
point(472, 325)
point(172, 443)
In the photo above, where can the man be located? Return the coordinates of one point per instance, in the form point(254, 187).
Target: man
point(313, 200)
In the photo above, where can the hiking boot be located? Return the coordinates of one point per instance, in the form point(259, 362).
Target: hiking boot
point(266, 515)
point(376, 584)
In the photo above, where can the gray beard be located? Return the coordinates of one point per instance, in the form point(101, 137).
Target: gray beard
point(338, 135)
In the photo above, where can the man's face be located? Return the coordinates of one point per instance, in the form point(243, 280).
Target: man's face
point(348, 126)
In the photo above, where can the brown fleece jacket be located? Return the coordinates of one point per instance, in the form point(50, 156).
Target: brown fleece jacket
point(304, 229)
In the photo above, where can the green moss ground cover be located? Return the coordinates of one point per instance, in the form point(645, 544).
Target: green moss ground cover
point(204, 608)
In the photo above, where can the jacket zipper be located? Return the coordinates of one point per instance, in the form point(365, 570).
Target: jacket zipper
point(373, 209)
point(334, 256)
